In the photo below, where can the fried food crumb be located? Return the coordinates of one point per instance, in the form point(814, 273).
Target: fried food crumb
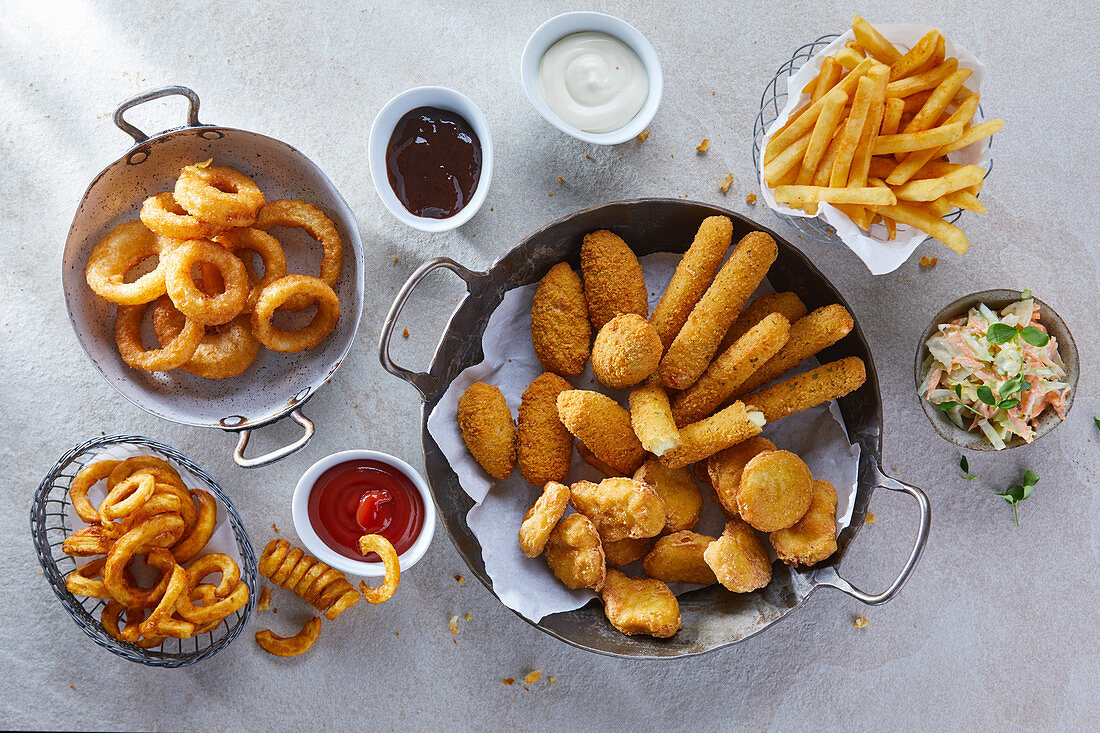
point(726, 183)
point(72, 687)
point(870, 518)
point(532, 677)
point(928, 261)
point(560, 181)
point(467, 617)
point(460, 580)
point(264, 603)
point(860, 622)
point(641, 137)
point(549, 193)
point(553, 681)
point(395, 260)
point(750, 199)
point(452, 624)
point(405, 333)
point(509, 681)
point(274, 610)
point(703, 146)
point(274, 527)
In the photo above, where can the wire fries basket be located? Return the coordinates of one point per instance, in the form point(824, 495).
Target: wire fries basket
point(50, 525)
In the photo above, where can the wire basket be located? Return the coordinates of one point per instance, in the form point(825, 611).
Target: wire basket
point(50, 526)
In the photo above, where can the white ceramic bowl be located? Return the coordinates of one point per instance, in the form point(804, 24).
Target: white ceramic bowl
point(550, 32)
point(317, 546)
point(382, 129)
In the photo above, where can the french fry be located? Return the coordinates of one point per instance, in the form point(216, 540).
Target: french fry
point(825, 167)
point(916, 161)
point(856, 119)
point(810, 85)
point(937, 56)
point(848, 58)
point(928, 223)
point(822, 135)
point(973, 135)
point(908, 141)
point(939, 208)
point(786, 160)
point(965, 200)
point(827, 78)
point(860, 215)
point(936, 168)
point(861, 161)
point(874, 42)
point(916, 56)
point(961, 96)
point(891, 116)
point(934, 108)
point(926, 80)
point(914, 102)
point(930, 189)
point(865, 196)
point(891, 228)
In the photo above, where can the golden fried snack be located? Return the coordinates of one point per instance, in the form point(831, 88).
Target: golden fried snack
point(619, 508)
point(545, 445)
point(381, 546)
point(817, 386)
point(624, 552)
point(677, 489)
point(696, 343)
point(788, 305)
point(575, 555)
point(640, 605)
point(775, 490)
point(692, 277)
point(725, 468)
point(613, 280)
point(812, 538)
point(560, 331)
point(290, 646)
point(699, 470)
point(488, 429)
point(678, 558)
point(542, 517)
point(730, 369)
point(323, 587)
point(590, 458)
point(603, 425)
point(724, 428)
point(738, 558)
point(626, 351)
point(651, 417)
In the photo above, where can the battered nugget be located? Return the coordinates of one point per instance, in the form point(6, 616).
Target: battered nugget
point(678, 558)
point(651, 418)
point(613, 280)
point(812, 538)
point(626, 351)
point(488, 429)
point(725, 468)
point(575, 555)
point(619, 508)
point(809, 389)
point(545, 445)
point(788, 305)
point(560, 331)
point(775, 490)
point(603, 425)
point(624, 552)
point(677, 489)
point(640, 605)
point(738, 558)
point(542, 517)
point(590, 458)
point(721, 430)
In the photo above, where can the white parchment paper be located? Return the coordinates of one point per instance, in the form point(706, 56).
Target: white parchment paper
point(880, 254)
point(526, 585)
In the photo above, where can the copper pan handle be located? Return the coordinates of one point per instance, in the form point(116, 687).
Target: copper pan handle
point(138, 135)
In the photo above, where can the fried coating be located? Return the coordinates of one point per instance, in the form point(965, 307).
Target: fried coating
point(678, 558)
point(738, 558)
point(692, 277)
point(812, 538)
point(620, 508)
point(788, 305)
point(626, 351)
point(613, 280)
point(677, 489)
point(640, 605)
point(696, 343)
point(575, 555)
point(488, 429)
point(699, 470)
point(725, 467)
point(542, 517)
point(775, 490)
point(809, 389)
point(730, 369)
point(545, 445)
point(603, 425)
point(590, 458)
point(651, 417)
point(560, 331)
point(708, 436)
point(624, 552)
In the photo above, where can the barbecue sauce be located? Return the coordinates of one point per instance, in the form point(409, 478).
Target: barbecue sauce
point(433, 161)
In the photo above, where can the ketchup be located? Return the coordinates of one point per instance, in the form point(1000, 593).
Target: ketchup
point(433, 161)
point(361, 497)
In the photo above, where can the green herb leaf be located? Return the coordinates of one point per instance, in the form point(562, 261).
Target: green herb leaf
point(985, 394)
point(1013, 385)
point(999, 333)
point(1007, 404)
point(1097, 421)
point(1030, 479)
point(1034, 336)
point(965, 466)
point(959, 392)
point(948, 406)
point(1015, 494)
point(1026, 295)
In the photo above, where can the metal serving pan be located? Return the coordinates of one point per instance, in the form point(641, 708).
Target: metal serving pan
point(276, 384)
point(712, 617)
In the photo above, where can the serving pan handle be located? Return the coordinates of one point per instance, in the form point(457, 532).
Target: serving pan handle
point(831, 578)
point(138, 135)
point(278, 453)
point(424, 382)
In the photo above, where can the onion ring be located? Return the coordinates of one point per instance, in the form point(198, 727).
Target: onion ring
point(269, 250)
point(277, 293)
point(196, 539)
point(128, 338)
point(127, 497)
point(225, 351)
point(88, 477)
point(162, 215)
point(123, 553)
point(377, 543)
point(288, 213)
point(209, 310)
point(215, 562)
point(219, 195)
point(126, 247)
point(160, 620)
point(290, 646)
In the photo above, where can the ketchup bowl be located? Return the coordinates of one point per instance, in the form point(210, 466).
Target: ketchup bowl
point(356, 492)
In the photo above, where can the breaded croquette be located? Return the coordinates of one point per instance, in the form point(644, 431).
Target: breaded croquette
point(613, 280)
point(590, 458)
point(575, 555)
point(775, 490)
point(788, 305)
point(738, 558)
point(619, 508)
point(651, 417)
point(812, 538)
point(626, 351)
point(677, 489)
point(560, 331)
point(640, 605)
point(724, 428)
point(697, 342)
point(603, 425)
point(542, 517)
point(678, 558)
point(809, 389)
point(545, 445)
point(725, 468)
point(624, 552)
point(488, 429)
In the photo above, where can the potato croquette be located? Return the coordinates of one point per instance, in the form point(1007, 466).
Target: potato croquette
point(697, 342)
point(626, 351)
point(560, 331)
point(590, 458)
point(678, 558)
point(603, 425)
point(677, 489)
point(545, 445)
point(732, 367)
point(692, 277)
point(624, 552)
point(708, 436)
point(775, 490)
point(620, 508)
point(788, 305)
point(613, 280)
point(575, 555)
point(640, 605)
point(812, 538)
point(738, 558)
point(488, 429)
point(542, 517)
point(809, 389)
point(725, 468)
point(651, 418)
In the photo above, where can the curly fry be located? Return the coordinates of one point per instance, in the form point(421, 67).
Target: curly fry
point(377, 543)
point(290, 646)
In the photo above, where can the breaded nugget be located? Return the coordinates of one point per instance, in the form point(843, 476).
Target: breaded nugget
point(560, 331)
point(575, 555)
point(812, 538)
point(732, 367)
point(775, 490)
point(725, 468)
point(738, 558)
point(542, 517)
point(624, 552)
point(603, 425)
point(678, 558)
point(619, 508)
point(651, 417)
point(626, 351)
point(590, 458)
point(809, 335)
point(788, 305)
point(677, 489)
point(488, 429)
point(640, 605)
point(708, 436)
point(809, 389)
point(692, 277)
point(613, 280)
point(696, 343)
point(545, 445)
point(699, 470)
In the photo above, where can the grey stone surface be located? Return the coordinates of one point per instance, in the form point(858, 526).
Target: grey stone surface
point(997, 628)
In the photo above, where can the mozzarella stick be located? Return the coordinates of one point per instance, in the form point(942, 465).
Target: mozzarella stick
point(788, 305)
point(809, 389)
point(651, 418)
point(692, 349)
point(603, 425)
point(721, 430)
point(613, 281)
